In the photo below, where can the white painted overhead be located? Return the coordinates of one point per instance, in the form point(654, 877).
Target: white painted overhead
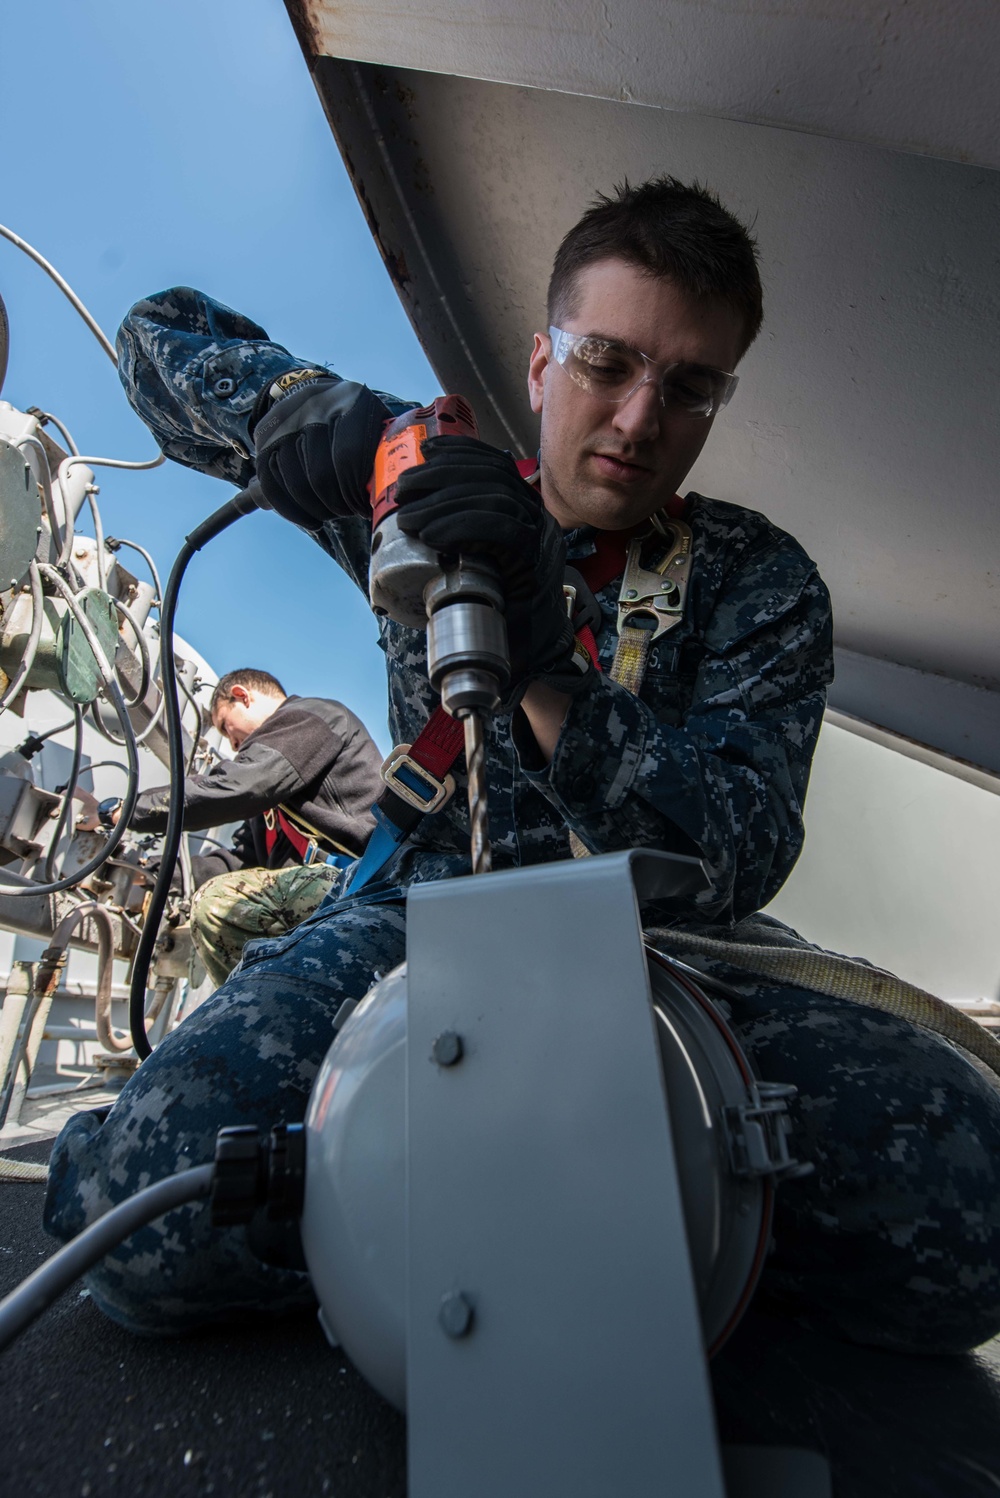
point(918, 75)
point(866, 421)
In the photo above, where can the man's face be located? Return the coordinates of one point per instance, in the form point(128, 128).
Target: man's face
point(612, 465)
point(237, 718)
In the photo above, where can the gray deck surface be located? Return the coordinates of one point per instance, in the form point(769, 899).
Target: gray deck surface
point(87, 1411)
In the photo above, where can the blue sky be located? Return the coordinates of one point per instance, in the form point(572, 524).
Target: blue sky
point(151, 144)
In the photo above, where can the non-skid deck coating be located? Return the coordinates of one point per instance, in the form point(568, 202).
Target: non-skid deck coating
point(87, 1411)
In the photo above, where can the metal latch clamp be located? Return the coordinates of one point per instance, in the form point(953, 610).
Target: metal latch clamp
point(758, 1134)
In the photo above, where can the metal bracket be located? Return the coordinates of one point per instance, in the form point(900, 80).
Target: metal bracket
point(24, 807)
point(554, 1344)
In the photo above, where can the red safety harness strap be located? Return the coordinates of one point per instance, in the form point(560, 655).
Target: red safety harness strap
point(439, 743)
point(435, 749)
point(275, 822)
point(608, 558)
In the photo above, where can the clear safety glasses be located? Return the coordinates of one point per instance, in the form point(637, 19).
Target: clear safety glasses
point(613, 371)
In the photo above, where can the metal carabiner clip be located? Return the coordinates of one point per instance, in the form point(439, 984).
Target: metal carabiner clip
point(659, 594)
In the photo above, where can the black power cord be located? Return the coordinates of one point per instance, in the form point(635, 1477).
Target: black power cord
point(39, 1290)
point(251, 1175)
point(247, 500)
point(36, 741)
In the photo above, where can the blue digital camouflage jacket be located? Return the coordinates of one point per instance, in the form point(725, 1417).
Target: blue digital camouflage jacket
point(711, 758)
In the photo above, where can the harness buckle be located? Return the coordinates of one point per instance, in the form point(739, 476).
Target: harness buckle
point(401, 760)
point(656, 596)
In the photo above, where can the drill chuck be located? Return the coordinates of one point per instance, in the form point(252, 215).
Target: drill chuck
point(467, 656)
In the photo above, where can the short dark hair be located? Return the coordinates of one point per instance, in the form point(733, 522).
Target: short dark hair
point(244, 676)
point(669, 229)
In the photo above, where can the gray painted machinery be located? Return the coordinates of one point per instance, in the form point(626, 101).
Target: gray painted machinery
point(538, 1186)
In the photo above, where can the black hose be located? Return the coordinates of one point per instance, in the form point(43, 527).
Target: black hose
point(39, 1290)
point(240, 504)
point(34, 741)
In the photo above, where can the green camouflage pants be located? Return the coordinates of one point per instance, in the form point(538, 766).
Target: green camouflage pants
point(232, 909)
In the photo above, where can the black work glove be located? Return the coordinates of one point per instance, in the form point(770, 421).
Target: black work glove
point(468, 498)
point(316, 451)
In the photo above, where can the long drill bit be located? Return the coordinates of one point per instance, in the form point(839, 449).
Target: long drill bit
point(479, 822)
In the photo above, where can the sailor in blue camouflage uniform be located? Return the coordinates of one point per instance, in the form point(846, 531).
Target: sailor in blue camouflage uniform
point(894, 1238)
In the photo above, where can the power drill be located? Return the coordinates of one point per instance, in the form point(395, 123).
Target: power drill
point(458, 598)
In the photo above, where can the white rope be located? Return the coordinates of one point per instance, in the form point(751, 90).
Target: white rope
point(22, 1170)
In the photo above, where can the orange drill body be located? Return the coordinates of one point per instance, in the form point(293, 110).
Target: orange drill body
point(458, 600)
point(399, 448)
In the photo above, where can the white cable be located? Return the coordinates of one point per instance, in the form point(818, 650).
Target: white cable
point(22, 1170)
point(34, 635)
point(109, 349)
point(140, 738)
point(131, 749)
point(62, 535)
point(65, 555)
point(143, 647)
point(114, 542)
point(67, 463)
point(91, 493)
point(184, 863)
point(66, 290)
point(157, 715)
point(63, 470)
point(198, 721)
point(69, 791)
point(65, 544)
point(44, 416)
point(102, 561)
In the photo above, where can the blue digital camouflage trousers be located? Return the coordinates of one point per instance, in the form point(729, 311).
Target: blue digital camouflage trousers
point(894, 1240)
point(248, 1055)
